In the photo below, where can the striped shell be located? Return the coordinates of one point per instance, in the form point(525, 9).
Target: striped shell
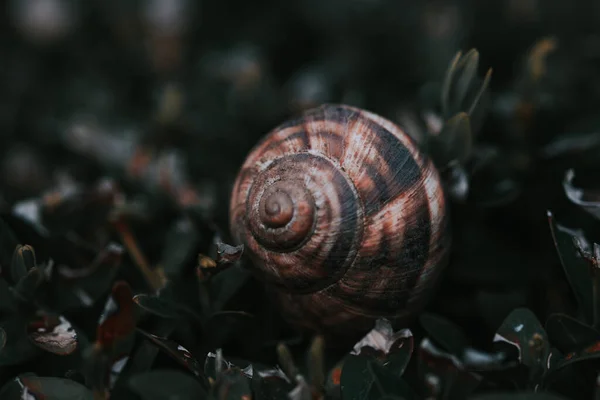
point(343, 217)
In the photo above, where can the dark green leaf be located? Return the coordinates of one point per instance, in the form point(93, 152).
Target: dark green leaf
point(17, 347)
point(2, 338)
point(231, 384)
point(47, 388)
point(8, 243)
point(226, 325)
point(518, 396)
point(589, 353)
point(177, 352)
point(385, 383)
point(224, 286)
point(445, 333)
point(589, 199)
point(28, 285)
point(444, 372)
point(159, 306)
point(522, 329)
point(576, 269)
point(364, 378)
point(23, 260)
point(454, 142)
point(180, 243)
point(166, 384)
point(569, 334)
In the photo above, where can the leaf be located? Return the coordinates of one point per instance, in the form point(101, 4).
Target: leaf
point(518, 396)
point(83, 286)
point(47, 388)
point(569, 334)
point(444, 332)
point(392, 348)
point(226, 325)
point(231, 384)
point(18, 348)
point(166, 384)
point(178, 249)
point(576, 269)
point(227, 254)
point(53, 334)
point(522, 330)
point(177, 352)
point(159, 306)
point(27, 286)
point(23, 260)
point(444, 372)
point(591, 352)
point(589, 200)
point(361, 380)
point(225, 285)
point(454, 142)
point(117, 323)
point(8, 243)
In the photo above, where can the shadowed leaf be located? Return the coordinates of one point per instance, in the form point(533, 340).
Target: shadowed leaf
point(569, 334)
point(177, 352)
point(588, 199)
point(522, 329)
point(46, 388)
point(576, 269)
point(166, 384)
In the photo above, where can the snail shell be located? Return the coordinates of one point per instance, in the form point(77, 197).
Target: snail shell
point(343, 218)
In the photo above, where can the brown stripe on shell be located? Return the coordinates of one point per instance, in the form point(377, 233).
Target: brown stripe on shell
point(276, 144)
point(329, 249)
point(394, 250)
point(380, 165)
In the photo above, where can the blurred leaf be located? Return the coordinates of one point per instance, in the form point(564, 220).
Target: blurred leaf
point(180, 242)
point(166, 384)
point(159, 306)
point(444, 373)
point(224, 325)
point(454, 142)
point(589, 353)
point(117, 323)
point(445, 333)
point(23, 260)
point(18, 348)
point(569, 334)
point(47, 388)
point(225, 285)
point(8, 243)
point(231, 384)
point(2, 338)
point(575, 267)
point(589, 200)
point(27, 286)
point(74, 287)
point(53, 333)
point(518, 396)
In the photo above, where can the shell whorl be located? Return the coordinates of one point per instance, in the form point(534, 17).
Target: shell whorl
point(340, 208)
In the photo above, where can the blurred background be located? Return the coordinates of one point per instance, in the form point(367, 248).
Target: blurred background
point(170, 95)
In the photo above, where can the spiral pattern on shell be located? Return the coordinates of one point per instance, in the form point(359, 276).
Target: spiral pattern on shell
point(343, 215)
